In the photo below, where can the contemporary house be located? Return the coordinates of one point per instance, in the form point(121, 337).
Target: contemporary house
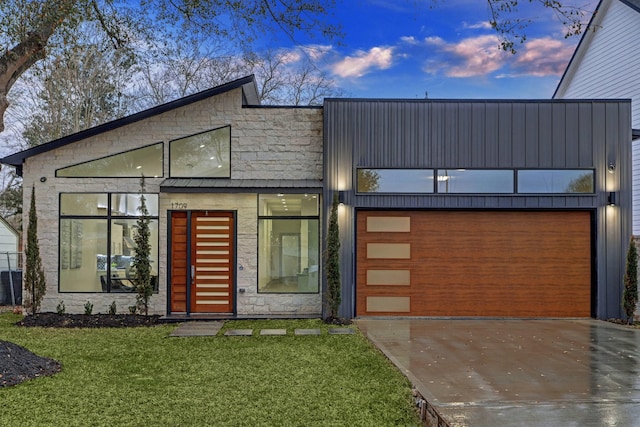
point(604, 65)
point(447, 208)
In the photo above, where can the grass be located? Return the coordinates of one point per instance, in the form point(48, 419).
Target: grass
point(141, 377)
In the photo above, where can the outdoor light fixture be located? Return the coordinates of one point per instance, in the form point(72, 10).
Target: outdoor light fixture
point(611, 167)
point(341, 197)
point(612, 198)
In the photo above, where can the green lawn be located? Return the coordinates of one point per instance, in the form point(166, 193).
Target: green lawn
point(142, 377)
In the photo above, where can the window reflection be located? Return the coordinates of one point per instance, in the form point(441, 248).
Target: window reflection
point(475, 181)
point(556, 181)
point(145, 161)
point(204, 155)
point(395, 181)
point(96, 254)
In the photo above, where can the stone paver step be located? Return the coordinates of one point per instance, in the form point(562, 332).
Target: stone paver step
point(273, 332)
point(239, 333)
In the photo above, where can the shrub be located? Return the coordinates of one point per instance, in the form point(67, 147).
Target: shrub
point(142, 255)
point(60, 308)
point(630, 294)
point(34, 282)
point(112, 308)
point(332, 264)
point(88, 308)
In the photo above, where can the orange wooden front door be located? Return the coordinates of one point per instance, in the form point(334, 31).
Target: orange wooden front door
point(202, 262)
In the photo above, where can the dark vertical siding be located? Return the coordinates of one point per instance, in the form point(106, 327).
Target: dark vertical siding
point(485, 134)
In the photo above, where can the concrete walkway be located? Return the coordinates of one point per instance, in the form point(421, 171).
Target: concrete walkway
point(518, 372)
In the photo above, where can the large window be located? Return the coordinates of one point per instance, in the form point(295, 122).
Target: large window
point(145, 161)
point(97, 241)
point(288, 243)
point(204, 155)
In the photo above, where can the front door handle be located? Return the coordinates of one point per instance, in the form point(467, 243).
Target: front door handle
point(193, 273)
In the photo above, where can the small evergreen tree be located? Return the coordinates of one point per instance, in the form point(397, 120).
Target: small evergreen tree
point(630, 294)
point(142, 254)
point(332, 262)
point(34, 282)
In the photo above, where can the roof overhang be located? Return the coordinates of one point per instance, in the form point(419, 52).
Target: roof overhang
point(213, 185)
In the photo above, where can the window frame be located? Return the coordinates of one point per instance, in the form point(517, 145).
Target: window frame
point(515, 183)
point(317, 218)
point(108, 218)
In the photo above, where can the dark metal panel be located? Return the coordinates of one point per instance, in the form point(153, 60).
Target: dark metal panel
point(558, 143)
point(478, 125)
point(532, 135)
point(585, 136)
point(518, 136)
point(571, 143)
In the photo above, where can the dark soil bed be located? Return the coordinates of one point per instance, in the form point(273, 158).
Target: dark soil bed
point(17, 364)
point(55, 320)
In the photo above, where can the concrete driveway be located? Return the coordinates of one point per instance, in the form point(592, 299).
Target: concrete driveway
point(518, 372)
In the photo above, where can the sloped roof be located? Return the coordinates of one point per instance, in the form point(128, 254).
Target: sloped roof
point(249, 97)
point(587, 36)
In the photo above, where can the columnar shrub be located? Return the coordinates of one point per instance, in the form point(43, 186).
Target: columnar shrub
point(142, 254)
point(34, 281)
point(630, 294)
point(332, 262)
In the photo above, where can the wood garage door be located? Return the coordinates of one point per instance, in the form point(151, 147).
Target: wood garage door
point(474, 263)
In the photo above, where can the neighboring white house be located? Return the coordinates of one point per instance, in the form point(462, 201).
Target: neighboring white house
point(9, 240)
point(606, 64)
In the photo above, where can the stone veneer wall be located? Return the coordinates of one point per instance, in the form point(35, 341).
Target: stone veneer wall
point(266, 143)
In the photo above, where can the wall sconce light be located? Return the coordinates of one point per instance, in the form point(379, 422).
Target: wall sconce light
point(612, 199)
point(611, 167)
point(341, 197)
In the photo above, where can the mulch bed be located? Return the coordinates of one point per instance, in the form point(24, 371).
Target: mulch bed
point(17, 364)
point(55, 320)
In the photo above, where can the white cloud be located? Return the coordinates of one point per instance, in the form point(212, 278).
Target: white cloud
point(481, 56)
point(409, 40)
point(363, 62)
point(470, 57)
point(482, 25)
point(543, 57)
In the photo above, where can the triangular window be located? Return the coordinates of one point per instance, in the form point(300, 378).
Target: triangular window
point(145, 161)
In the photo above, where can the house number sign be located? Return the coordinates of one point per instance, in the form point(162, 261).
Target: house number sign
point(178, 206)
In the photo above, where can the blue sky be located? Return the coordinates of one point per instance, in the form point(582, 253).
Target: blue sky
point(446, 48)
